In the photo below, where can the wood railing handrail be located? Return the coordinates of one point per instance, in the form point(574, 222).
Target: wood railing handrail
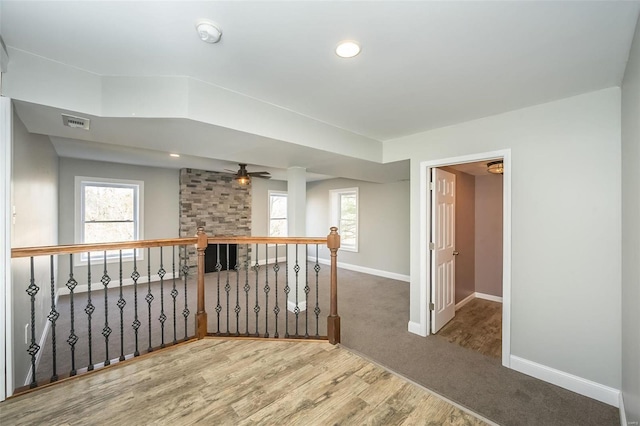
point(266, 240)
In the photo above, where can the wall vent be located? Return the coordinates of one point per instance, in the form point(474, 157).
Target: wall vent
point(75, 122)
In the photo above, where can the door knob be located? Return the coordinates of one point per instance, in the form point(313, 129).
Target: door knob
point(455, 253)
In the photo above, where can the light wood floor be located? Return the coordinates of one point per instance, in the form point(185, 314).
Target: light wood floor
point(237, 382)
point(477, 326)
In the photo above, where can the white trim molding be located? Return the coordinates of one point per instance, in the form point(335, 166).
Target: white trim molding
point(623, 413)
point(568, 381)
point(477, 295)
point(6, 318)
point(417, 328)
point(364, 269)
point(466, 300)
point(424, 294)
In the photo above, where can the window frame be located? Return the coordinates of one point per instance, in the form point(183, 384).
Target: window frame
point(284, 194)
point(138, 186)
point(335, 196)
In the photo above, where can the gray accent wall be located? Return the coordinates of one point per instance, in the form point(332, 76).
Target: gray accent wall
point(565, 231)
point(383, 223)
point(35, 198)
point(631, 233)
point(488, 215)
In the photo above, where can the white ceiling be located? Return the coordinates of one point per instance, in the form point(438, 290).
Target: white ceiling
point(423, 64)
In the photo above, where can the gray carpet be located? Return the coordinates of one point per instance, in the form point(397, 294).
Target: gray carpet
point(374, 315)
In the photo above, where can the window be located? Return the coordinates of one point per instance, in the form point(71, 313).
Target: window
point(344, 215)
point(108, 210)
point(277, 214)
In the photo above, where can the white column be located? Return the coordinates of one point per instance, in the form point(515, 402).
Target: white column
point(297, 227)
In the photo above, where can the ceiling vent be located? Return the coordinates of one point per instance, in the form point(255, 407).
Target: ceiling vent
point(75, 122)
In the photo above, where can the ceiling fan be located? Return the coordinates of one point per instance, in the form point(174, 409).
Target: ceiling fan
point(243, 177)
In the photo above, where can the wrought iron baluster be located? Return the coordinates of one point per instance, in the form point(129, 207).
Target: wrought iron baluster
point(287, 289)
point(89, 309)
point(72, 339)
point(135, 275)
point(53, 317)
point(227, 289)
point(121, 304)
point(237, 307)
point(296, 310)
point(256, 308)
point(106, 330)
point(276, 309)
point(174, 294)
point(246, 289)
point(185, 311)
point(33, 348)
point(266, 291)
point(149, 296)
point(218, 269)
point(316, 310)
point(306, 292)
point(163, 317)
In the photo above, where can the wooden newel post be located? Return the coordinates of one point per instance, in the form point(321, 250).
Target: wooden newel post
point(333, 320)
point(201, 315)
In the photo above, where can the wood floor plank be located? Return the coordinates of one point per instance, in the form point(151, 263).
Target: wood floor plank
point(235, 382)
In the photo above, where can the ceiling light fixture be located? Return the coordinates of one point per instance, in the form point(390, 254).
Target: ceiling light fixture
point(208, 31)
point(174, 155)
point(347, 49)
point(495, 167)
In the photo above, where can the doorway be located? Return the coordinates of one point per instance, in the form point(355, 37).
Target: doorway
point(429, 269)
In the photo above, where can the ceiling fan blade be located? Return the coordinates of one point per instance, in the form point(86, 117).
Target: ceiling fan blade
point(259, 173)
point(231, 171)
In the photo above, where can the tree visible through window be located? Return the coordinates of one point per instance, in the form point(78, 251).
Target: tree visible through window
point(277, 214)
point(109, 212)
point(344, 215)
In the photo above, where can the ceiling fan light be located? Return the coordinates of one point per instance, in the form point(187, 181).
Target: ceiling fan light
point(243, 180)
point(496, 167)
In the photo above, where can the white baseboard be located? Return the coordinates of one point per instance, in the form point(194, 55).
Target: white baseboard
point(115, 284)
point(623, 414)
point(568, 381)
point(488, 297)
point(291, 306)
point(466, 300)
point(269, 261)
point(364, 270)
point(416, 328)
point(43, 342)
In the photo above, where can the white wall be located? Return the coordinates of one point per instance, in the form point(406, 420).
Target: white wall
point(35, 197)
point(260, 212)
point(565, 225)
point(161, 210)
point(631, 233)
point(383, 223)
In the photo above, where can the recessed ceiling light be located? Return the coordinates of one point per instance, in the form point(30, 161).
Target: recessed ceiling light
point(208, 31)
point(174, 155)
point(348, 49)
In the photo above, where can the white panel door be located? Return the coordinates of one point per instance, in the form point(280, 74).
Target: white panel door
point(443, 272)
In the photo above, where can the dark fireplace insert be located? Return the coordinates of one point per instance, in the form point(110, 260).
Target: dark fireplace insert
point(215, 253)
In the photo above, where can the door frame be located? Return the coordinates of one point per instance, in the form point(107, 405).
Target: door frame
point(6, 325)
point(425, 226)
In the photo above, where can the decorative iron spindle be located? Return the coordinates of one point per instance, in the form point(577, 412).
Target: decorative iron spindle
point(256, 308)
point(266, 291)
point(174, 294)
point(89, 309)
point(246, 289)
point(296, 310)
point(237, 307)
point(106, 330)
point(227, 289)
point(121, 304)
point(306, 293)
point(316, 310)
point(135, 276)
point(163, 317)
point(53, 317)
point(33, 348)
point(287, 289)
point(218, 269)
point(149, 296)
point(72, 339)
point(276, 309)
point(185, 311)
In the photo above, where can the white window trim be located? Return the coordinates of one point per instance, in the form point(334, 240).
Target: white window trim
point(270, 193)
point(334, 196)
point(81, 258)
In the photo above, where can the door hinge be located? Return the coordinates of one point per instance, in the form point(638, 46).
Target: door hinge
point(431, 186)
point(432, 307)
point(432, 246)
